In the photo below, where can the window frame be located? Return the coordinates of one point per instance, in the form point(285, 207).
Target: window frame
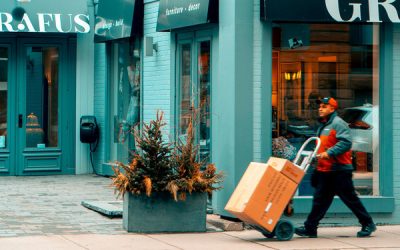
point(384, 202)
point(194, 38)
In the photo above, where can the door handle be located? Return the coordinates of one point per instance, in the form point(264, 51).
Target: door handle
point(20, 121)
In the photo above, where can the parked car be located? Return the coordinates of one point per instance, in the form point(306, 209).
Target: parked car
point(360, 123)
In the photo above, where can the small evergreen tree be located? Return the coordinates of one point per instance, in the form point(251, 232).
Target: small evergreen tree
point(157, 167)
point(150, 169)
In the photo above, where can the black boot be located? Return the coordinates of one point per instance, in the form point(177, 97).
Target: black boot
point(306, 232)
point(367, 230)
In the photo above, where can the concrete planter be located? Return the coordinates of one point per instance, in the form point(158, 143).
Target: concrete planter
point(161, 213)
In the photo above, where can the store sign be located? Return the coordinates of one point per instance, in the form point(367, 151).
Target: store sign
point(44, 16)
point(173, 14)
point(117, 19)
point(368, 11)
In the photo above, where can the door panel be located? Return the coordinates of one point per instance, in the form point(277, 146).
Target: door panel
point(194, 87)
point(39, 106)
point(7, 110)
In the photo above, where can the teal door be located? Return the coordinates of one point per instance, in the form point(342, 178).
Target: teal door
point(7, 90)
point(38, 107)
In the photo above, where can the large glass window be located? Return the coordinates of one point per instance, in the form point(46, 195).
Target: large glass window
point(204, 79)
point(3, 95)
point(327, 60)
point(196, 95)
point(42, 97)
point(125, 97)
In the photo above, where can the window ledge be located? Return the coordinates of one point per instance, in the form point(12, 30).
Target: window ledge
point(373, 204)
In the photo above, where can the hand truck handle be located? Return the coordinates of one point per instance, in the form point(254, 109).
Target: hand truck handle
point(309, 155)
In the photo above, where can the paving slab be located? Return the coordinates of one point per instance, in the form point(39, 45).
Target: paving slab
point(295, 243)
point(107, 208)
point(38, 243)
point(209, 241)
point(129, 241)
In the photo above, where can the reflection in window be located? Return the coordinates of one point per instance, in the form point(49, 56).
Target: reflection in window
point(205, 105)
point(186, 88)
point(42, 97)
point(336, 60)
point(197, 96)
point(125, 98)
point(3, 96)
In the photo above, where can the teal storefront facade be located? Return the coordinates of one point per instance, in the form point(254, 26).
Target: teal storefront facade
point(45, 59)
point(254, 75)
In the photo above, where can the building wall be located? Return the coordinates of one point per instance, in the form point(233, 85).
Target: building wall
point(100, 105)
point(257, 90)
point(396, 118)
point(156, 72)
point(84, 91)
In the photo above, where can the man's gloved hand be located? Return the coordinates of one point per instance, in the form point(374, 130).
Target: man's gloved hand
point(323, 155)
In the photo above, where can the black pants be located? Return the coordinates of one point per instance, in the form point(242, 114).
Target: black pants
point(329, 184)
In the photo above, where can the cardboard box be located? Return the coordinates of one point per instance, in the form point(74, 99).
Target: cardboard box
point(291, 170)
point(263, 193)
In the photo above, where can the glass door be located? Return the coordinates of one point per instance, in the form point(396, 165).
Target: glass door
point(7, 87)
point(38, 108)
point(194, 88)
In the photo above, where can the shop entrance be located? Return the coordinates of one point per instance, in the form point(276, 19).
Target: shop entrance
point(34, 120)
point(194, 78)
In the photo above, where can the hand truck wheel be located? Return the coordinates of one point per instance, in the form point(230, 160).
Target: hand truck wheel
point(284, 230)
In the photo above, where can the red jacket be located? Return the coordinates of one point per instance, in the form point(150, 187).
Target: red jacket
point(336, 140)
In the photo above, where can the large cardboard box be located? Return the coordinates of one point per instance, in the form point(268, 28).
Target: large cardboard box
point(264, 191)
point(292, 171)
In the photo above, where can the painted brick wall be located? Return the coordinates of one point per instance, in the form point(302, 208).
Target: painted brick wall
point(156, 76)
point(100, 69)
point(396, 117)
point(257, 69)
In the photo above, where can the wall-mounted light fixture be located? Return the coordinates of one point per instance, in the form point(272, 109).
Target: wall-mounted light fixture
point(149, 46)
point(292, 75)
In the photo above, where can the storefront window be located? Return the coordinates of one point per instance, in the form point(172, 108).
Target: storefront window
point(196, 96)
point(327, 60)
point(42, 97)
point(205, 105)
point(125, 97)
point(3, 95)
point(186, 88)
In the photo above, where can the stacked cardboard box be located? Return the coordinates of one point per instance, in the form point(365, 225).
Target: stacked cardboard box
point(264, 191)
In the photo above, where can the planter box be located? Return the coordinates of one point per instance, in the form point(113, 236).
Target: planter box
point(161, 213)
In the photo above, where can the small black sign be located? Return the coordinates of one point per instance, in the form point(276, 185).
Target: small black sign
point(117, 19)
point(364, 11)
point(173, 14)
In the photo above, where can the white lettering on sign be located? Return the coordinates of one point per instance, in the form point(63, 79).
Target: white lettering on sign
point(45, 21)
point(373, 7)
point(180, 10)
point(5, 21)
point(193, 7)
point(173, 11)
point(387, 5)
point(82, 21)
point(103, 25)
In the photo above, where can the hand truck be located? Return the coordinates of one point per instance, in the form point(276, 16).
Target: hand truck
point(284, 229)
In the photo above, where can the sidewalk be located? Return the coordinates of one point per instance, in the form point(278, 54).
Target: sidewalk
point(387, 237)
point(46, 213)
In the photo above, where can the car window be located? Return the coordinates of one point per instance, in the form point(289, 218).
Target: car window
point(353, 115)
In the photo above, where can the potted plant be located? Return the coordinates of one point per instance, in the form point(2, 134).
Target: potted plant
point(164, 187)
